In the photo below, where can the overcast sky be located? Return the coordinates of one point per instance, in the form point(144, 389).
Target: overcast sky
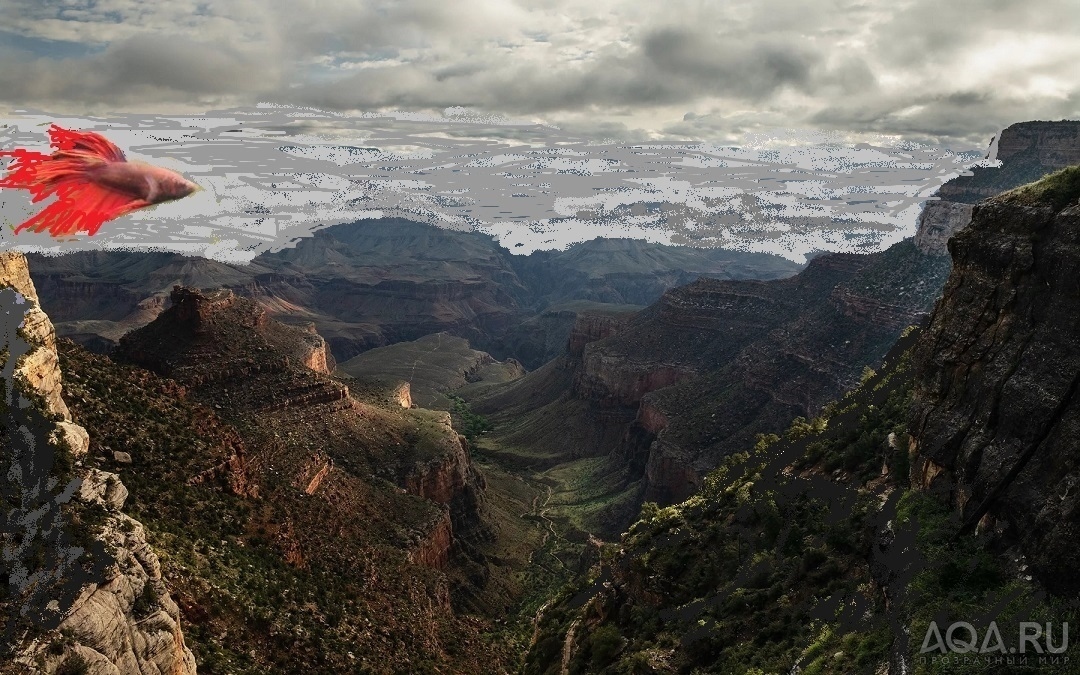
point(948, 73)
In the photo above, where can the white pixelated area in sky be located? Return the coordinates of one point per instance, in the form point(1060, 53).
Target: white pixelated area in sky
point(275, 174)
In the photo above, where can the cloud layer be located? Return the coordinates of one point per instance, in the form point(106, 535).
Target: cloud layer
point(273, 175)
point(945, 73)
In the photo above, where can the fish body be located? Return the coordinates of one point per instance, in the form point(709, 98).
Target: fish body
point(146, 182)
point(93, 181)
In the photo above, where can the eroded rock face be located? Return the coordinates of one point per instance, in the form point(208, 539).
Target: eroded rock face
point(997, 413)
point(938, 221)
point(1028, 151)
point(616, 381)
point(40, 366)
point(127, 623)
point(123, 621)
point(433, 550)
point(592, 327)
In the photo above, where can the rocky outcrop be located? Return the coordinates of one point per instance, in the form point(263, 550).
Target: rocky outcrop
point(448, 477)
point(433, 550)
point(589, 327)
point(997, 413)
point(1052, 144)
point(126, 623)
point(123, 620)
point(1027, 151)
point(40, 367)
point(228, 353)
point(938, 221)
point(615, 381)
point(670, 475)
point(402, 394)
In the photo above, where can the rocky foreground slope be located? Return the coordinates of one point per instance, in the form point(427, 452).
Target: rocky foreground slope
point(82, 588)
point(292, 521)
point(939, 490)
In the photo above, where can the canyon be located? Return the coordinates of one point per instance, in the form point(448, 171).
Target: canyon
point(378, 282)
point(939, 486)
point(398, 448)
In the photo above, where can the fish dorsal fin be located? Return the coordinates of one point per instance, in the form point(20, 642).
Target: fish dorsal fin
point(85, 141)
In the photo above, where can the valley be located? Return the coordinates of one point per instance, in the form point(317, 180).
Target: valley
point(394, 448)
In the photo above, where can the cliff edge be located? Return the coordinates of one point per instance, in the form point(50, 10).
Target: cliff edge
point(83, 588)
point(996, 413)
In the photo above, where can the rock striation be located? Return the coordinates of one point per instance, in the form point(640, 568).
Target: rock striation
point(272, 378)
point(714, 363)
point(996, 412)
point(374, 283)
point(1027, 151)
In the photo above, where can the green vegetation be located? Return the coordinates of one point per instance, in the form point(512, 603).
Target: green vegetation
point(74, 664)
point(771, 565)
point(277, 582)
point(466, 421)
point(763, 568)
point(1060, 189)
point(962, 580)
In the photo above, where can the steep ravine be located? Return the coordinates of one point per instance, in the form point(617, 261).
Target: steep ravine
point(941, 489)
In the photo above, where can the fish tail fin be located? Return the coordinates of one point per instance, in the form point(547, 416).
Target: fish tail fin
point(82, 205)
point(81, 213)
point(43, 175)
point(77, 152)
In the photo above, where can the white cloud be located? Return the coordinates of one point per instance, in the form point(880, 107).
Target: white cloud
point(273, 174)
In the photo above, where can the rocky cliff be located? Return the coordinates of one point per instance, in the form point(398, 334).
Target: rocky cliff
point(374, 283)
point(996, 413)
point(310, 523)
point(115, 615)
point(666, 393)
point(231, 354)
point(1026, 150)
point(792, 361)
point(940, 487)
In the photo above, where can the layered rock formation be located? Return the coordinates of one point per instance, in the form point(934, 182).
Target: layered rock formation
point(807, 347)
point(996, 413)
point(228, 352)
point(375, 283)
point(120, 617)
point(1027, 151)
point(842, 525)
point(311, 523)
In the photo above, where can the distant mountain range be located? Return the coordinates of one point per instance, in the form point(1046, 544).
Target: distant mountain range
point(373, 283)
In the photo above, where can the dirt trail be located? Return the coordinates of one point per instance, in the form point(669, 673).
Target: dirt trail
point(568, 647)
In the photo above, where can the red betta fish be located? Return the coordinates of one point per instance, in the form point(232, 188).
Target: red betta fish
point(93, 182)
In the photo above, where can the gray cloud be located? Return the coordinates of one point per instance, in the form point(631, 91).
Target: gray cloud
point(949, 72)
